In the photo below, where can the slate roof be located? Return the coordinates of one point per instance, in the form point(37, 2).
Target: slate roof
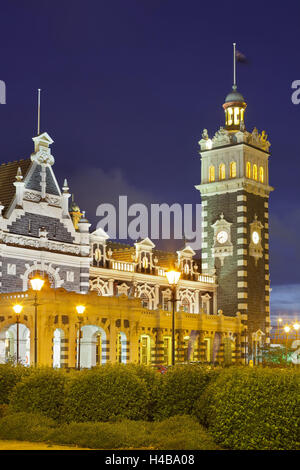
point(8, 173)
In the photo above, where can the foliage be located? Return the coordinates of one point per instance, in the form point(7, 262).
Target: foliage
point(10, 375)
point(179, 432)
point(277, 357)
point(181, 387)
point(106, 393)
point(40, 392)
point(253, 408)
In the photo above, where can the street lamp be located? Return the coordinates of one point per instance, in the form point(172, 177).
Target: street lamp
point(296, 327)
point(36, 285)
point(173, 278)
point(17, 309)
point(80, 310)
point(287, 330)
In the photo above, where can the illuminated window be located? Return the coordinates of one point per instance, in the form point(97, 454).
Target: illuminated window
point(229, 117)
point(222, 171)
point(186, 268)
point(186, 305)
point(211, 174)
point(232, 169)
point(145, 300)
point(167, 351)
point(145, 350)
point(261, 174)
point(236, 116)
point(248, 170)
point(145, 262)
point(255, 172)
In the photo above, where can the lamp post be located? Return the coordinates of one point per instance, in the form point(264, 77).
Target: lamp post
point(173, 278)
point(286, 329)
point(296, 327)
point(17, 309)
point(36, 285)
point(80, 310)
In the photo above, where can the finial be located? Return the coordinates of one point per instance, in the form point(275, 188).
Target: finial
point(19, 175)
point(39, 111)
point(65, 186)
point(234, 67)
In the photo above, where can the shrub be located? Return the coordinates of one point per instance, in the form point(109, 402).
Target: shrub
point(9, 376)
point(153, 382)
point(105, 393)
point(26, 427)
point(181, 387)
point(41, 392)
point(179, 432)
point(253, 408)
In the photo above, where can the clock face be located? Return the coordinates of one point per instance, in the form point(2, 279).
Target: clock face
point(222, 236)
point(255, 237)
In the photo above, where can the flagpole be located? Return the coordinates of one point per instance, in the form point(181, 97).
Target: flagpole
point(39, 106)
point(234, 66)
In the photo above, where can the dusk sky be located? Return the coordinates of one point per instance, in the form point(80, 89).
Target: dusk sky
point(128, 86)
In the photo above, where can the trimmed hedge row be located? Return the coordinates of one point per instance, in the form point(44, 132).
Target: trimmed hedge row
point(178, 432)
point(257, 408)
point(9, 377)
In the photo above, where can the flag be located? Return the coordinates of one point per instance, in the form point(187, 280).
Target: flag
point(240, 57)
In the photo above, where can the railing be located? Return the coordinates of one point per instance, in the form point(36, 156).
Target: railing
point(121, 266)
point(206, 278)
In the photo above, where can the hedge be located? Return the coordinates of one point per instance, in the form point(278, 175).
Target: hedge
point(180, 389)
point(257, 408)
point(9, 376)
point(179, 432)
point(106, 393)
point(41, 392)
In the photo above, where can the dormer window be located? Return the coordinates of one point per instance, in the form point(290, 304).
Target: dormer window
point(222, 172)
point(233, 170)
point(145, 262)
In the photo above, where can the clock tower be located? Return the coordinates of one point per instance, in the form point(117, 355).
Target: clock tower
point(235, 219)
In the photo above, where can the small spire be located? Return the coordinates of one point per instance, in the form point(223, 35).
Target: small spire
point(19, 175)
point(65, 186)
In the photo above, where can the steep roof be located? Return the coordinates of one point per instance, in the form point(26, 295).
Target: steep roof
point(8, 173)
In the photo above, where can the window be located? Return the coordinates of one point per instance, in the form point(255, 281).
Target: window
point(248, 170)
point(229, 116)
point(222, 174)
point(145, 350)
point(98, 255)
point(167, 350)
point(207, 342)
point(236, 116)
point(145, 262)
point(185, 305)
point(145, 300)
point(98, 349)
point(255, 172)
point(11, 269)
point(186, 268)
point(212, 174)
point(261, 174)
point(233, 170)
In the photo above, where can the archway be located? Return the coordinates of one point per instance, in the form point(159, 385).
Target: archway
point(92, 346)
point(9, 341)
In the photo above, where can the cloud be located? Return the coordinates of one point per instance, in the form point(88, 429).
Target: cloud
point(285, 302)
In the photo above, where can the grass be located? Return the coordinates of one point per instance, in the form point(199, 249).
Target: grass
point(176, 433)
point(24, 445)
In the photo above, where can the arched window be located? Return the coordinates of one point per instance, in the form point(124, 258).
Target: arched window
point(186, 268)
point(145, 300)
point(261, 174)
point(233, 170)
point(212, 174)
point(248, 170)
point(185, 305)
point(255, 172)
point(222, 174)
point(145, 262)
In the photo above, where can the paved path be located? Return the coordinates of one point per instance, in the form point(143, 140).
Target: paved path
point(24, 445)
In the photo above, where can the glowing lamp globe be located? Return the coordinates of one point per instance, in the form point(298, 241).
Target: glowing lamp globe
point(36, 283)
point(17, 308)
point(286, 328)
point(173, 277)
point(80, 309)
point(296, 326)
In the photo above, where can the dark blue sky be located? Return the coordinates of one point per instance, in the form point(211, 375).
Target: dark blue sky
point(128, 86)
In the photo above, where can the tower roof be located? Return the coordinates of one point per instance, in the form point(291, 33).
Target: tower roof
point(234, 96)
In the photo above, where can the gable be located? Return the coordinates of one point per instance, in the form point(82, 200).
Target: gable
point(8, 173)
point(34, 181)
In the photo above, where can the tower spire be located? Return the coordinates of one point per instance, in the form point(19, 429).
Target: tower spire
point(39, 111)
